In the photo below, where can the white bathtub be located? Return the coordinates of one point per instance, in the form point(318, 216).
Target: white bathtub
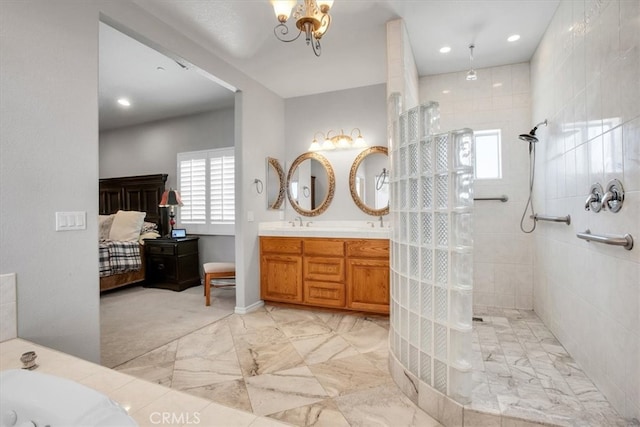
point(29, 398)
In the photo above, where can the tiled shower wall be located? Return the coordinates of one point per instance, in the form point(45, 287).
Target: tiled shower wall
point(499, 99)
point(585, 79)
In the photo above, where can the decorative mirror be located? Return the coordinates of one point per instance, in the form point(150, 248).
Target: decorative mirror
point(369, 181)
point(275, 184)
point(310, 184)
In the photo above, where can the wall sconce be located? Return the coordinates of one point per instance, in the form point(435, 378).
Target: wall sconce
point(341, 141)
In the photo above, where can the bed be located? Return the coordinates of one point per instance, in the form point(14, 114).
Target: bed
point(128, 198)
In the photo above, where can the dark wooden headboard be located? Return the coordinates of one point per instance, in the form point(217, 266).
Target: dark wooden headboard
point(135, 193)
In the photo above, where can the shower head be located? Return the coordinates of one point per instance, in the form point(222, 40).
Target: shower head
point(528, 137)
point(531, 136)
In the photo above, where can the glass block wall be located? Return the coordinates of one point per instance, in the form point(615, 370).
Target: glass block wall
point(431, 248)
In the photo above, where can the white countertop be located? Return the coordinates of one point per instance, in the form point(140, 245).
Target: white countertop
point(310, 228)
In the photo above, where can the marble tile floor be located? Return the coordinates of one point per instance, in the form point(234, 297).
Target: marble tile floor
point(521, 370)
point(305, 368)
point(316, 368)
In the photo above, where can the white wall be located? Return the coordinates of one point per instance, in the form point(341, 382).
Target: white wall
point(363, 108)
point(402, 73)
point(499, 99)
point(152, 147)
point(585, 79)
point(49, 159)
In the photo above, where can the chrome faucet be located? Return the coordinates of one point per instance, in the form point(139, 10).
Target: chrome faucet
point(381, 222)
point(299, 219)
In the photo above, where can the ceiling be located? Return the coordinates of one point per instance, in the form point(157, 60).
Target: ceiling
point(353, 49)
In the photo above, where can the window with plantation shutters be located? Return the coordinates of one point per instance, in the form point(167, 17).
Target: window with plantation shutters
point(207, 187)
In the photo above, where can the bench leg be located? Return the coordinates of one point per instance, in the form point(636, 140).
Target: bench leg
point(207, 290)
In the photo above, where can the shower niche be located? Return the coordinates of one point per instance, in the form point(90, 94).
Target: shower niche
point(431, 259)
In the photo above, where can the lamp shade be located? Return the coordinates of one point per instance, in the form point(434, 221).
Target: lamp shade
point(170, 198)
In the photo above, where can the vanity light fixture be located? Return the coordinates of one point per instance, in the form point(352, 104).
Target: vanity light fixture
point(312, 17)
point(341, 141)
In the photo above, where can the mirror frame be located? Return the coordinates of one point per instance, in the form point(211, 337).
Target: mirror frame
point(352, 180)
point(332, 183)
point(275, 164)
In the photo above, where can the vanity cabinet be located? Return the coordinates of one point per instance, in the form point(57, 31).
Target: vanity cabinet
point(368, 275)
point(281, 269)
point(326, 272)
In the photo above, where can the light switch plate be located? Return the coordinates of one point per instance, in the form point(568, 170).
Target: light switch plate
point(70, 221)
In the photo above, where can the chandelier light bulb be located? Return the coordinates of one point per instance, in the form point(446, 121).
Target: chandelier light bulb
point(282, 9)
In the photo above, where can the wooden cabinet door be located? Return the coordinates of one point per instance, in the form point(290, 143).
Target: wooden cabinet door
point(281, 278)
point(368, 285)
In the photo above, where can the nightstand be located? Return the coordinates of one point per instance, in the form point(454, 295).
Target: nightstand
point(172, 264)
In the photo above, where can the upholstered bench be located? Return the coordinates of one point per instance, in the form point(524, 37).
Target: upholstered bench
point(217, 270)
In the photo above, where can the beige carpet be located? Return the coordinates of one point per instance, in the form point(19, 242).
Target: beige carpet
point(134, 321)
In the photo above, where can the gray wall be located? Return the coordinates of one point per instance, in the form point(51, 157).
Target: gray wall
point(49, 159)
point(364, 108)
point(152, 148)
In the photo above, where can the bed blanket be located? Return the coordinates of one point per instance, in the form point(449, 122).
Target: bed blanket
point(119, 257)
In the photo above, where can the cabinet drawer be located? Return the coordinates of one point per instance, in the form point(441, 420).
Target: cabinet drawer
point(373, 248)
point(324, 247)
point(280, 245)
point(324, 294)
point(155, 249)
point(324, 268)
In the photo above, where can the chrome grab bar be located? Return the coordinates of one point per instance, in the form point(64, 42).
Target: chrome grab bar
point(625, 241)
point(565, 219)
point(502, 198)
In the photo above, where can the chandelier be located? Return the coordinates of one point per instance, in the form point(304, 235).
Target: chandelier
point(340, 141)
point(312, 18)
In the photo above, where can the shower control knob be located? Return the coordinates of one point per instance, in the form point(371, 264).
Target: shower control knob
point(594, 201)
point(614, 196)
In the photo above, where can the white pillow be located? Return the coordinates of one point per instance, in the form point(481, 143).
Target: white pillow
point(148, 235)
point(126, 226)
point(104, 225)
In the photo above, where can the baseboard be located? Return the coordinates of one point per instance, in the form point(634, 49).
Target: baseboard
point(249, 309)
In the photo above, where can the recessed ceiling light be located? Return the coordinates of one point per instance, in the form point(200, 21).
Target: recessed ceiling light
point(446, 91)
point(498, 84)
point(513, 38)
point(124, 102)
point(445, 49)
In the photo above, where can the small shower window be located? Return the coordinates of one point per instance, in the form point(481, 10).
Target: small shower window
point(488, 158)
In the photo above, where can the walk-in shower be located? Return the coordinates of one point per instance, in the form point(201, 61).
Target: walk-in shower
point(465, 365)
point(532, 139)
